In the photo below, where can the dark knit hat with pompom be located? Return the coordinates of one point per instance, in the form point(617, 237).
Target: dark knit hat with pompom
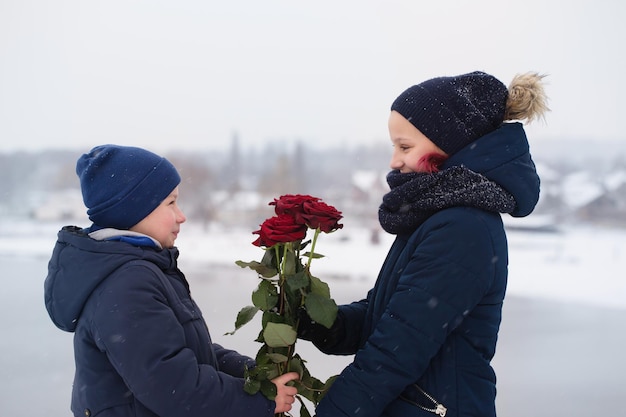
point(121, 184)
point(454, 111)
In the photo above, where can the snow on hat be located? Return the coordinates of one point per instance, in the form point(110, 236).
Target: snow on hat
point(454, 111)
point(121, 185)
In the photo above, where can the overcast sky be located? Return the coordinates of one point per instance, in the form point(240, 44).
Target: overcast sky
point(189, 74)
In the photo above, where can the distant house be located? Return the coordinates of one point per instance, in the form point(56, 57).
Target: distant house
point(366, 192)
point(607, 209)
point(580, 188)
point(237, 208)
point(60, 205)
point(367, 187)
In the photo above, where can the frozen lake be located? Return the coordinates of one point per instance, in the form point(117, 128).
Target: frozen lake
point(561, 343)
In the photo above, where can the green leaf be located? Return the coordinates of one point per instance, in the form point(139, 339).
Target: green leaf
point(252, 382)
point(277, 357)
point(268, 371)
point(308, 386)
point(293, 302)
point(260, 337)
point(290, 262)
point(271, 317)
point(314, 256)
point(268, 388)
point(244, 316)
point(273, 372)
point(261, 269)
point(329, 382)
point(303, 410)
point(269, 259)
point(261, 357)
point(279, 335)
point(321, 309)
point(297, 281)
point(251, 386)
point(264, 369)
point(319, 287)
point(323, 389)
point(265, 296)
point(296, 364)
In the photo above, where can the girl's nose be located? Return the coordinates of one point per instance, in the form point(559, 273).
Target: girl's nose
point(395, 163)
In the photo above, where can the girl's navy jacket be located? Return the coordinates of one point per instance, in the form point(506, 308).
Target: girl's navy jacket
point(429, 326)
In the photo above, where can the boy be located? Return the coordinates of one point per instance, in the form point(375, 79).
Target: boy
point(141, 345)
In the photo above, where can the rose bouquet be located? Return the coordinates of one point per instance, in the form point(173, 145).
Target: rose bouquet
point(287, 290)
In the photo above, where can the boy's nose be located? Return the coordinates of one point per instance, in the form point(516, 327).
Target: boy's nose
point(181, 216)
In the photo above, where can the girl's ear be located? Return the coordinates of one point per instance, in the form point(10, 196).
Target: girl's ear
point(431, 162)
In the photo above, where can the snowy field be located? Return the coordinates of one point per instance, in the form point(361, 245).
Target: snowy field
point(582, 265)
point(561, 344)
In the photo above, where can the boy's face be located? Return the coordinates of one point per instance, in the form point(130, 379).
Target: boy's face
point(163, 224)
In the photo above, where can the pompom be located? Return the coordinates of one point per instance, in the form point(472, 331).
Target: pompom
point(527, 99)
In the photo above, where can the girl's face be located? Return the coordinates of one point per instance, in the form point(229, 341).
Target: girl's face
point(163, 224)
point(412, 150)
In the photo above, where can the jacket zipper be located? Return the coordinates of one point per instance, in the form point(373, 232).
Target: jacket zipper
point(439, 409)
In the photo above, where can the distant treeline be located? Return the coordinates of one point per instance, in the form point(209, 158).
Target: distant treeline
point(27, 178)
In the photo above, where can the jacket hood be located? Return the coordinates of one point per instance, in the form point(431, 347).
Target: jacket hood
point(79, 264)
point(503, 156)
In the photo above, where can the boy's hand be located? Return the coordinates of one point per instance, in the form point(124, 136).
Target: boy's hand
point(285, 394)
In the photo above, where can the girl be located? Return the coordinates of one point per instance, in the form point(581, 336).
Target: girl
point(424, 336)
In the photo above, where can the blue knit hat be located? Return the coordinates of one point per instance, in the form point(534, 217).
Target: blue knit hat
point(121, 185)
point(454, 111)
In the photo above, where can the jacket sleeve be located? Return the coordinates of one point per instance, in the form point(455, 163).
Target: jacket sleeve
point(145, 342)
point(444, 277)
point(344, 337)
point(232, 362)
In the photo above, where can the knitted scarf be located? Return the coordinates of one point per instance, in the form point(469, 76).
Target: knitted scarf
point(416, 196)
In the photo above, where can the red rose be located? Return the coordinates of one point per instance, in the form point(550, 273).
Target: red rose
point(279, 229)
point(292, 204)
point(319, 214)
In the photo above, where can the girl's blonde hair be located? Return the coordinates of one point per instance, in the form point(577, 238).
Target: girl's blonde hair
point(527, 100)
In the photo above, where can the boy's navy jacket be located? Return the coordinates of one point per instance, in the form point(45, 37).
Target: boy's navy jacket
point(433, 315)
point(141, 345)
